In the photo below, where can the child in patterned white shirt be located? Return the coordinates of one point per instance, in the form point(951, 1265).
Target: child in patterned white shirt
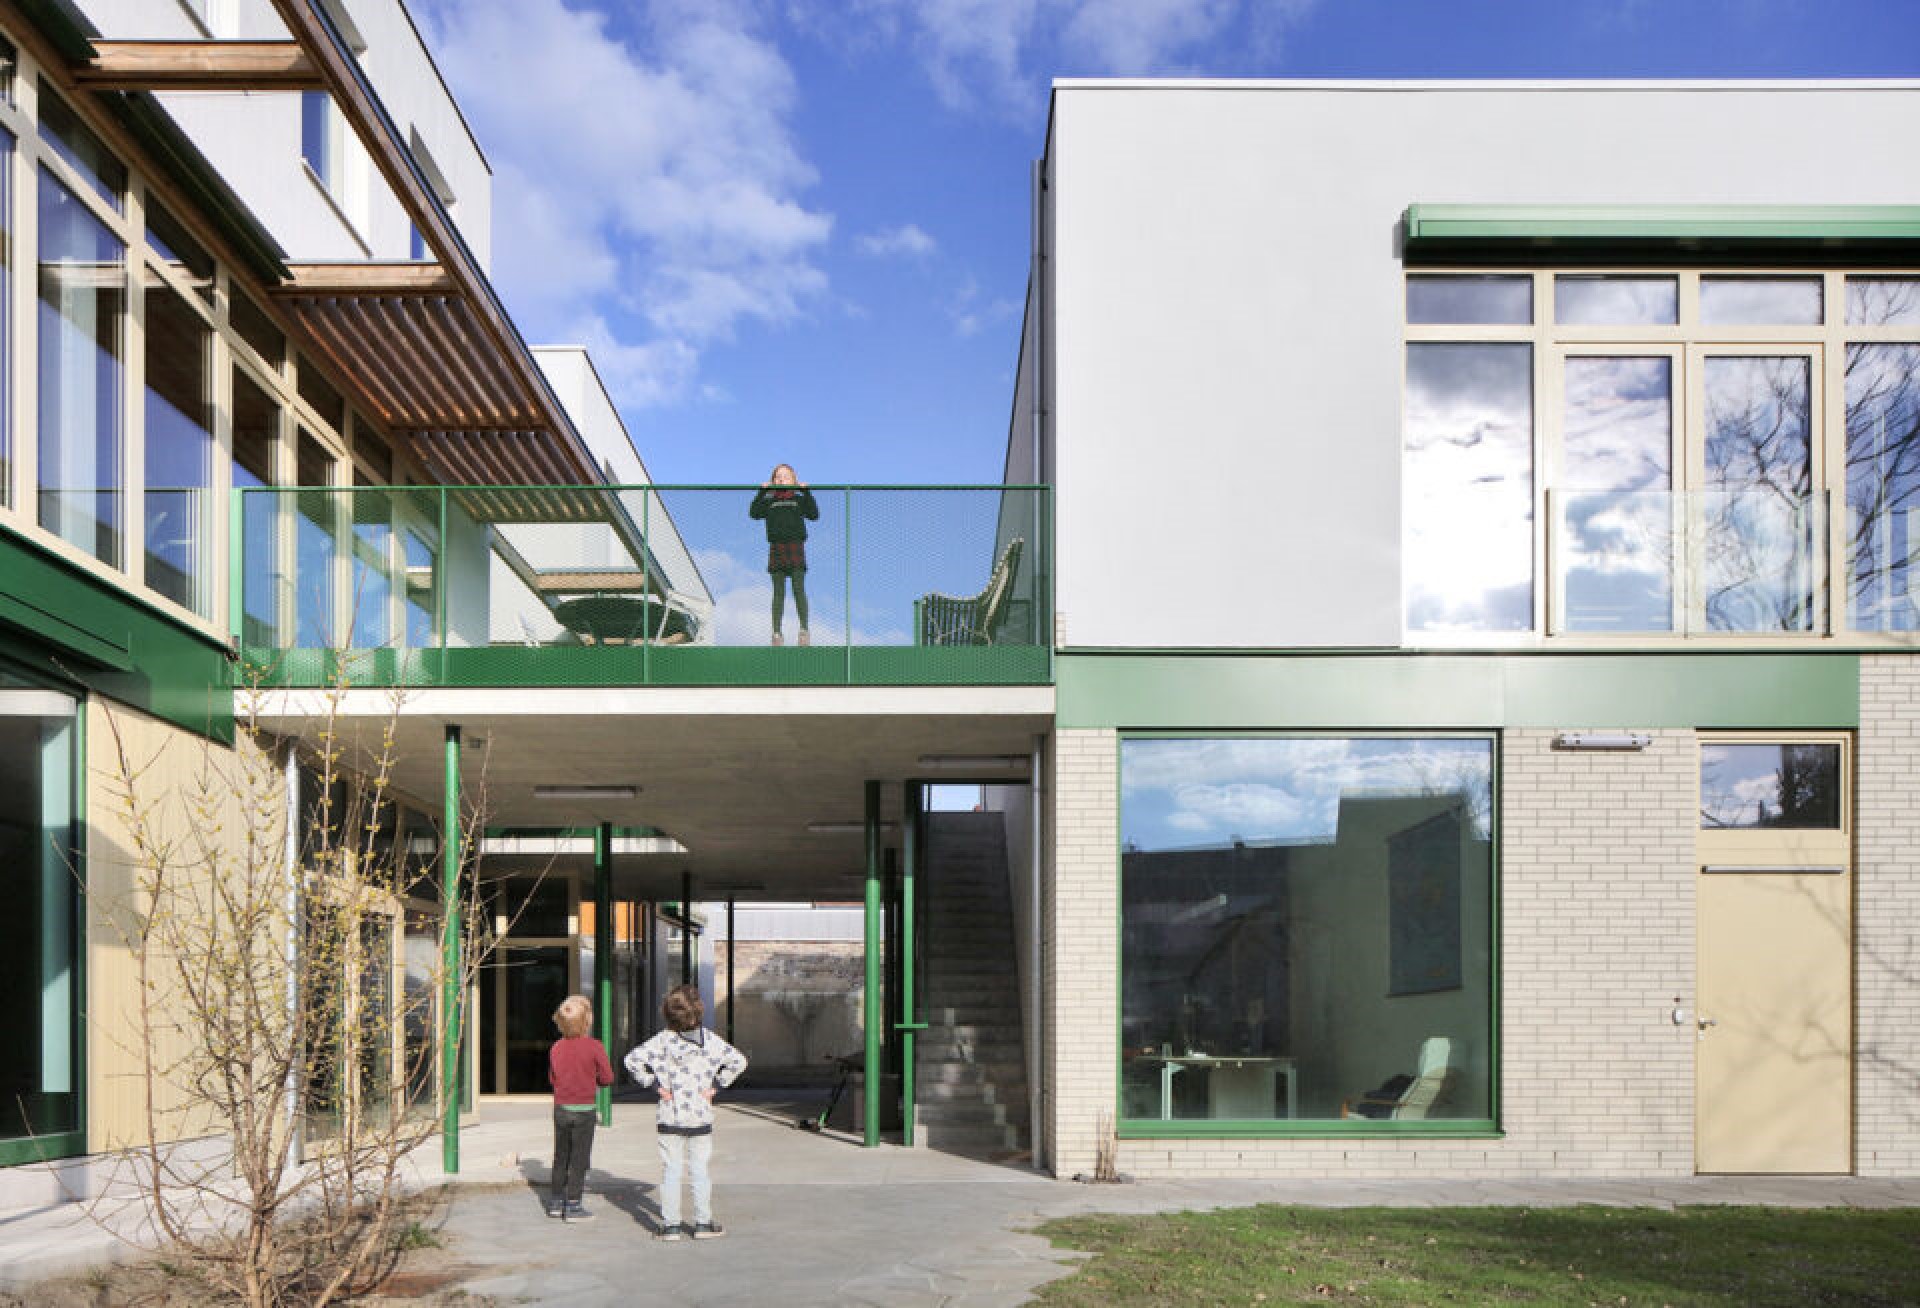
point(688, 1063)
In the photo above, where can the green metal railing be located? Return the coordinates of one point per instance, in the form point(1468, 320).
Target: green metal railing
point(637, 585)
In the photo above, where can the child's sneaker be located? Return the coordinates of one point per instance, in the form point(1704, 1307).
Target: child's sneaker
point(555, 1207)
point(708, 1231)
point(579, 1212)
point(668, 1233)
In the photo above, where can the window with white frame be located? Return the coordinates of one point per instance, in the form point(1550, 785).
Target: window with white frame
point(1646, 453)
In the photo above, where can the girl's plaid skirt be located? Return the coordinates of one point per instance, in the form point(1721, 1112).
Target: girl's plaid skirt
point(787, 556)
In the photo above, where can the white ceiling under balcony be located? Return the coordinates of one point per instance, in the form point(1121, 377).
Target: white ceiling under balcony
point(735, 775)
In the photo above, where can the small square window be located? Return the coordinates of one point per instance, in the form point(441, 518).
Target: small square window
point(1470, 299)
point(1883, 301)
point(1591, 300)
point(1761, 301)
point(1762, 786)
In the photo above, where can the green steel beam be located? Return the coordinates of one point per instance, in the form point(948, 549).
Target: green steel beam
point(1458, 691)
point(450, 961)
point(603, 955)
point(686, 927)
point(1819, 232)
point(873, 1076)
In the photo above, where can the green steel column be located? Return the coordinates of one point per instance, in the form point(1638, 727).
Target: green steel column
point(730, 1003)
point(686, 927)
point(873, 1075)
point(450, 969)
point(603, 955)
point(910, 1024)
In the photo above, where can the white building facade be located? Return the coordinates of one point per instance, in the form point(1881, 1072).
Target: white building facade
point(1485, 515)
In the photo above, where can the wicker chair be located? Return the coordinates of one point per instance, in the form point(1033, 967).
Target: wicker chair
point(976, 619)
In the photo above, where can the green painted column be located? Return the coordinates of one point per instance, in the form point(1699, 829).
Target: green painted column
point(910, 1023)
point(730, 992)
point(450, 960)
point(686, 928)
point(603, 955)
point(874, 1076)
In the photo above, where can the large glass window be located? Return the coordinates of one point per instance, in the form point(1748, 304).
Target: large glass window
point(179, 438)
point(82, 305)
point(39, 995)
point(1469, 487)
point(1306, 929)
point(1678, 432)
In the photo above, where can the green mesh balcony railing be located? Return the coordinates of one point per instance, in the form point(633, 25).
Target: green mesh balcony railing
point(643, 585)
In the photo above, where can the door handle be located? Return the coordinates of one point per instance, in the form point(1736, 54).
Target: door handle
point(1706, 1022)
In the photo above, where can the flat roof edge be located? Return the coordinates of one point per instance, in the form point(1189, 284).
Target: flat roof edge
point(1482, 84)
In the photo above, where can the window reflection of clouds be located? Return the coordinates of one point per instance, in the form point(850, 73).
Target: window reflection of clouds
point(1469, 486)
point(1584, 300)
point(1883, 485)
point(1182, 793)
point(1619, 423)
point(1480, 299)
point(1760, 301)
point(1744, 787)
point(1883, 301)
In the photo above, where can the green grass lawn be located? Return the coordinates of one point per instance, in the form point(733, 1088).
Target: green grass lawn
point(1750, 1257)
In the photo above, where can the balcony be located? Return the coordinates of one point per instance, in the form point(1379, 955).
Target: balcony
point(640, 585)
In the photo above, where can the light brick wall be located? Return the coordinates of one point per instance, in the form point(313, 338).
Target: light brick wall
point(1598, 938)
point(1082, 958)
point(1887, 919)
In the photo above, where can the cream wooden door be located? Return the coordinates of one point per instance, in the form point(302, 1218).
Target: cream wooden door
point(1773, 1000)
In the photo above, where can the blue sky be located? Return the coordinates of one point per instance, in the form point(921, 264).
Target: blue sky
point(797, 229)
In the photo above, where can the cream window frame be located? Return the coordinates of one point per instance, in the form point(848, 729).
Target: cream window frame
point(1692, 339)
point(19, 115)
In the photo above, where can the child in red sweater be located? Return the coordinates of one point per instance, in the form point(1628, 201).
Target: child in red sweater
point(577, 1066)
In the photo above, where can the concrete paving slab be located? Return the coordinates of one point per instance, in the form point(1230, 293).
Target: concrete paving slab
point(816, 1219)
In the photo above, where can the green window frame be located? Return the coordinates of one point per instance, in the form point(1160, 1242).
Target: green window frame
point(1134, 1125)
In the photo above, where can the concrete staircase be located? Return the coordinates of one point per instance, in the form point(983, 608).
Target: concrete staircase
point(972, 1075)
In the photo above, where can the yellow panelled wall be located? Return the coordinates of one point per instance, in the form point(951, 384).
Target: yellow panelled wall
point(137, 759)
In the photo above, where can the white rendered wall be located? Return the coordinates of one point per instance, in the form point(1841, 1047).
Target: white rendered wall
point(254, 137)
point(1226, 311)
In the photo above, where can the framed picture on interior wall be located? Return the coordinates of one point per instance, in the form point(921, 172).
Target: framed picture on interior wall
point(1423, 906)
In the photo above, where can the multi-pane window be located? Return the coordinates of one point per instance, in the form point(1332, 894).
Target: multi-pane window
point(83, 301)
point(127, 339)
point(1632, 454)
point(1306, 930)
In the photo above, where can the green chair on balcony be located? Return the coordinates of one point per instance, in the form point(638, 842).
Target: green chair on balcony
point(976, 619)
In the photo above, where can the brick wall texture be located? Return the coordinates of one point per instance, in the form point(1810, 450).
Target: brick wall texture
point(1887, 919)
point(1597, 871)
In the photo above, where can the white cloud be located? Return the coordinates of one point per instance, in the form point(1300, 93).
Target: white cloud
point(649, 197)
point(907, 240)
point(1142, 35)
point(971, 313)
point(998, 54)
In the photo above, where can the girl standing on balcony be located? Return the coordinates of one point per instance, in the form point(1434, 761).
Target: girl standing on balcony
point(785, 504)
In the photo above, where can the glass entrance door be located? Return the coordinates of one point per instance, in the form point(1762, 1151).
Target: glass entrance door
point(40, 1075)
